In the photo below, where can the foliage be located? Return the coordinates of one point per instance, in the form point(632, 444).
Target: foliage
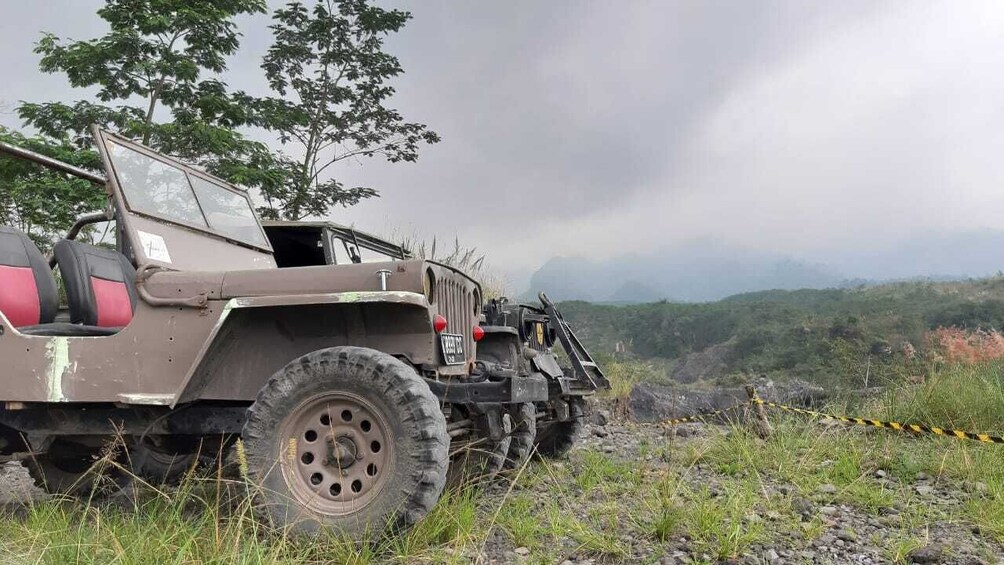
point(330, 73)
point(961, 396)
point(458, 256)
point(158, 77)
point(41, 202)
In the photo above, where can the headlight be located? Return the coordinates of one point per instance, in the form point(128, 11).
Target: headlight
point(429, 285)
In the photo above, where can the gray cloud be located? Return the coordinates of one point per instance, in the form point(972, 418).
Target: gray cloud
point(592, 128)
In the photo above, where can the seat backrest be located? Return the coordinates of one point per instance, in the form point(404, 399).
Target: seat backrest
point(100, 284)
point(28, 294)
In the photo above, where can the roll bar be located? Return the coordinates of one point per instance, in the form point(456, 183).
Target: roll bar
point(50, 163)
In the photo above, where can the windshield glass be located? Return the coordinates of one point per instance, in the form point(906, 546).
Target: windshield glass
point(155, 188)
point(228, 212)
point(164, 191)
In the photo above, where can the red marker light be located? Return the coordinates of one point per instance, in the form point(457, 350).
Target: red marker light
point(439, 323)
point(479, 333)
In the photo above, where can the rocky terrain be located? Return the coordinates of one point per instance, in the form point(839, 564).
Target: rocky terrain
point(16, 486)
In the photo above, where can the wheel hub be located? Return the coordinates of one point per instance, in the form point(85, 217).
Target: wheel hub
point(342, 452)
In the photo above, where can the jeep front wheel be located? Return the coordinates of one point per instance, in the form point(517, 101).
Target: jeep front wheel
point(348, 438)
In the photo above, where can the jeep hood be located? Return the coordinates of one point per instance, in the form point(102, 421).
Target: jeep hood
point(404, 276)
point(324, 279)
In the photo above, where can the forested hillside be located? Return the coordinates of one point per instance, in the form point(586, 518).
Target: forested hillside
point(850, 337)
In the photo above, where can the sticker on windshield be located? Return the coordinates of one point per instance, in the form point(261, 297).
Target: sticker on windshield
point(154, 247)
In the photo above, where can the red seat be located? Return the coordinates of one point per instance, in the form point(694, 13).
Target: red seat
point(28, 293)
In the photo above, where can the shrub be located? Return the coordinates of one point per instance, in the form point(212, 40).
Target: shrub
point(956, 345)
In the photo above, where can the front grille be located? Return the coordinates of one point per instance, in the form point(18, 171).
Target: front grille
point(456, 303)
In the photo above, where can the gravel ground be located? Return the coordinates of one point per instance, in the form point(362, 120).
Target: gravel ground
point(841, 533)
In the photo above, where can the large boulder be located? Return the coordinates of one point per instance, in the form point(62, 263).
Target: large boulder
point(704, 365)
point(652, 402)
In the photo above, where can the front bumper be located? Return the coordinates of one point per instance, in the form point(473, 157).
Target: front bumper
point(531, 388)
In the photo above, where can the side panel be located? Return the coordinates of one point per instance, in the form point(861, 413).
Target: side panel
point(253, 343)
point(145, 363)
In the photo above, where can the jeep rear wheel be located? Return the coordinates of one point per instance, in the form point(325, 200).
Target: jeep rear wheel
point(166, 460)
point(349, 438)
point(74, 469)
point(557, 439)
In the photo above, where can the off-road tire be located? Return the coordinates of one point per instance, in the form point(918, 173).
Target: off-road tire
point(417, 437)
point(557, 439)
point(480, 462)
point(159, 466)
point(73, 469)
point(524, 434)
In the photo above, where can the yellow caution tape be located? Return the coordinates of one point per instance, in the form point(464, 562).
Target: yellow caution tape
point(909, 428)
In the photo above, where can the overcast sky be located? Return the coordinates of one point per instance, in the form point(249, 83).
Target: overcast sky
point(593, 128)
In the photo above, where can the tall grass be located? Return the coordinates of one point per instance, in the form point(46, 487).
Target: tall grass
point(214, 521)
point(202, 522)
point(961, 396)
point(467, 259)
point(714, 490)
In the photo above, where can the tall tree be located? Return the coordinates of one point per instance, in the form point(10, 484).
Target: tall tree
point(330, 73)
point(156, 52)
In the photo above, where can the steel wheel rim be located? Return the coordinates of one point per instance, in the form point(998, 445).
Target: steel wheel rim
point(336, 454)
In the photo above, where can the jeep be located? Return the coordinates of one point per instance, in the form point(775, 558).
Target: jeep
point(346, 383)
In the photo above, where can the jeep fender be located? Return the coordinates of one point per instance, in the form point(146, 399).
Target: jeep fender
point(256, 336)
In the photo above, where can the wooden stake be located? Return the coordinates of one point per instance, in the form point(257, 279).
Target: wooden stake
point(760, 424)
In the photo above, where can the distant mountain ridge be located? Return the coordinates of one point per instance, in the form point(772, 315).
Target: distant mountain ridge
point(705, 270)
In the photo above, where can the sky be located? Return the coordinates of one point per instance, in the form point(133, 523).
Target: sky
point(592, 129)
